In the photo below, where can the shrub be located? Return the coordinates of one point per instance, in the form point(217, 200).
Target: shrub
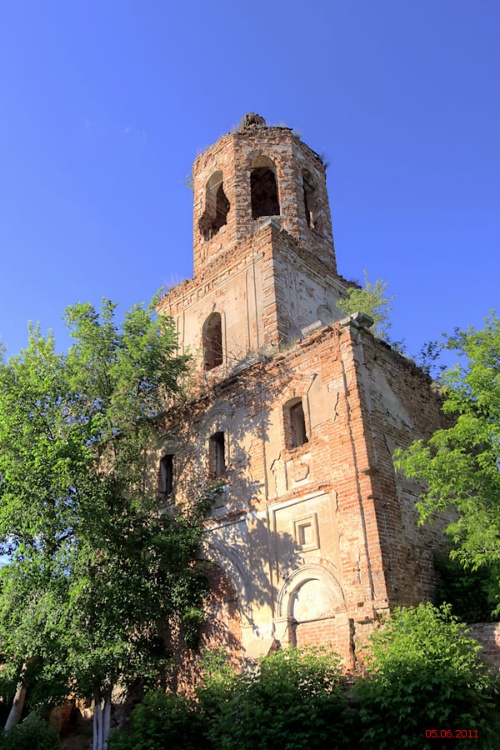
point(292, 699)
point(161, 721)
point(425, 674)
point(219, 681)
point(31, 734)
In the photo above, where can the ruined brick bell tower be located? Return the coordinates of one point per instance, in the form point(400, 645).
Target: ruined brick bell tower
point(259, 172)
point(295, 414)
point(255, 186)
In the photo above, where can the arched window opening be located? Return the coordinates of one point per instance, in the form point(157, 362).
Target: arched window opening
point(295, 424)
point(264, 188)
point(216, 207)
point(166, 476)
point(216, 456)
point(311, 203)
point(212, 341)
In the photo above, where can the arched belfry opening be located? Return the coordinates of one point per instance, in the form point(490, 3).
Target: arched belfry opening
point(311, 202)
point(216, 207)
point(264, 188)
point(212, 341)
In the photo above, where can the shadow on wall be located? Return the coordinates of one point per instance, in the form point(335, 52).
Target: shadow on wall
point(220, 443)
point(220, 446)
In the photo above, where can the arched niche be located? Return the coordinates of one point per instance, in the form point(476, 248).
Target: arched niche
point(325, 315)
point(232, 565)
point(310, 584)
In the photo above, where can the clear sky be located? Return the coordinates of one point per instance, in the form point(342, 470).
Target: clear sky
point(106, 103)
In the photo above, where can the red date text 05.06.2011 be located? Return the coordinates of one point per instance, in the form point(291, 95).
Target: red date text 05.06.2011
point(452, 734)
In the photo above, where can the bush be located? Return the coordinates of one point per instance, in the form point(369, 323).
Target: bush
point(425, 674)
point(31, 734)
point(219, 681)
point(293, 699)
point(161, 721)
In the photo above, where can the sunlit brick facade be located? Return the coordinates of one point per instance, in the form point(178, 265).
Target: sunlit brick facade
point(294, 415)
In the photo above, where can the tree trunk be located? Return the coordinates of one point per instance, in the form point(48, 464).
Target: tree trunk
point(17, 705)
point(97, 738)
point(102, 718)
point(106, 724)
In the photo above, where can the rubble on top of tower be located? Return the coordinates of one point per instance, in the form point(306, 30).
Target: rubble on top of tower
point(252, 119)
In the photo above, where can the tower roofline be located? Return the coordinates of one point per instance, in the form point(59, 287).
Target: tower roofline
point(246, 129)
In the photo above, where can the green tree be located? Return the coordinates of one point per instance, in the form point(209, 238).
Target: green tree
point(460, 465)
point(372, 301)
point(96, 570)
point(424, 674)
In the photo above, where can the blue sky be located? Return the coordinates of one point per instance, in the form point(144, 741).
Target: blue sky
point(106, 103)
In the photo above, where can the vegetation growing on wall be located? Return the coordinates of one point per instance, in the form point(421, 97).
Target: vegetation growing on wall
point(372, 301)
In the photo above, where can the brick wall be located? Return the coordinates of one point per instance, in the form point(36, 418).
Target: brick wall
point(221, 630)
point(367, 546)
point(326, 632)
point(329, 515)
point(488, 635)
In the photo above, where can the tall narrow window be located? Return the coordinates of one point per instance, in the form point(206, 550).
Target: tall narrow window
point(216, 207)
point(212, 341)
point(264, 188)
point(166, 476)
point(295, 424)
point(216, 455)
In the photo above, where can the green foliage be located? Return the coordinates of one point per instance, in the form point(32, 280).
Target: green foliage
point(96, 571)
point(372, 301)
point(424, 673)
point(428, 359)
point(292, 699)
point(162, 721)
point(468, 591)
point(220, 678)
point(460, 465)
point(31, 734)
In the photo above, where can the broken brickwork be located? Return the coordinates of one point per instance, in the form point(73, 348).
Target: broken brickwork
point(292, 425)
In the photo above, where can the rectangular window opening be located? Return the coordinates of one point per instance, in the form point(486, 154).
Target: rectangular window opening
point(166, 478)
point(297, 425)
point(217, 455)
